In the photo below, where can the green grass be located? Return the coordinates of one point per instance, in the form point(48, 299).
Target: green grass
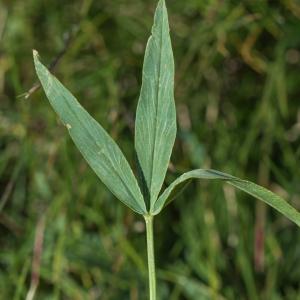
point(237, 108)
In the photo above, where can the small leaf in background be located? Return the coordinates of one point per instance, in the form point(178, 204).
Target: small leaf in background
point(155, 127)
point(251, 188)
point(97, 147)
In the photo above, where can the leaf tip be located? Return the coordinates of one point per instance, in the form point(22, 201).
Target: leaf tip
point(162, 5)
point(36, 58)
point(35, 53)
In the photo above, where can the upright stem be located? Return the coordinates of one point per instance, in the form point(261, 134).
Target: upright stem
point(151, 260)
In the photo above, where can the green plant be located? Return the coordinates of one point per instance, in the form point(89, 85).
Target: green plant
point(155, 131)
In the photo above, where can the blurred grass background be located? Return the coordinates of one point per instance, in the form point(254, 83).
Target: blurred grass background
point(237, 97)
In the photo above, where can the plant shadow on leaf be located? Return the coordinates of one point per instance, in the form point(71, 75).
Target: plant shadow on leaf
point(142, 182)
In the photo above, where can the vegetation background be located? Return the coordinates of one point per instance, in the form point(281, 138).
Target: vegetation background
point(237, 97)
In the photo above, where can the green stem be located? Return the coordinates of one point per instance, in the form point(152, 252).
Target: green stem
point(151, 260)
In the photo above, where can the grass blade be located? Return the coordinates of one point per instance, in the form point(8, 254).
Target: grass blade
point(155, 127)
point(249, 187)
point(97, 147)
